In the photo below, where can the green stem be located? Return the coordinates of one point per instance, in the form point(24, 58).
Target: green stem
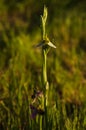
point(44, 67)
point(45, 82)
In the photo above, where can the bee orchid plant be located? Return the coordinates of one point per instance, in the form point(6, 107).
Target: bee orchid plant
point(45, 44)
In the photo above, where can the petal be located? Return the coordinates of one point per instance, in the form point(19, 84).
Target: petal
point(51, 44)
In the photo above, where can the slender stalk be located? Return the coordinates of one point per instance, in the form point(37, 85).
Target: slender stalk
point(45, 82)
point(44, 54)
point(44, 65)
point(44, 69)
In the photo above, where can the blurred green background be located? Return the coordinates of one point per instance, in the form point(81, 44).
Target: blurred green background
point(21, 63)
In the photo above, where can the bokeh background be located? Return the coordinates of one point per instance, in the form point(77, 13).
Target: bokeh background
point(21, 63)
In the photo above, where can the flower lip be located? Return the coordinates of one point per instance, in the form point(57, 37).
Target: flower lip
point(35, 111)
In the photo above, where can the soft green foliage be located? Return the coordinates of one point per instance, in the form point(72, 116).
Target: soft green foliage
point(20, 64)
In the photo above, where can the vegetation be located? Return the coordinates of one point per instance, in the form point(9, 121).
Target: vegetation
point(22, 96)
